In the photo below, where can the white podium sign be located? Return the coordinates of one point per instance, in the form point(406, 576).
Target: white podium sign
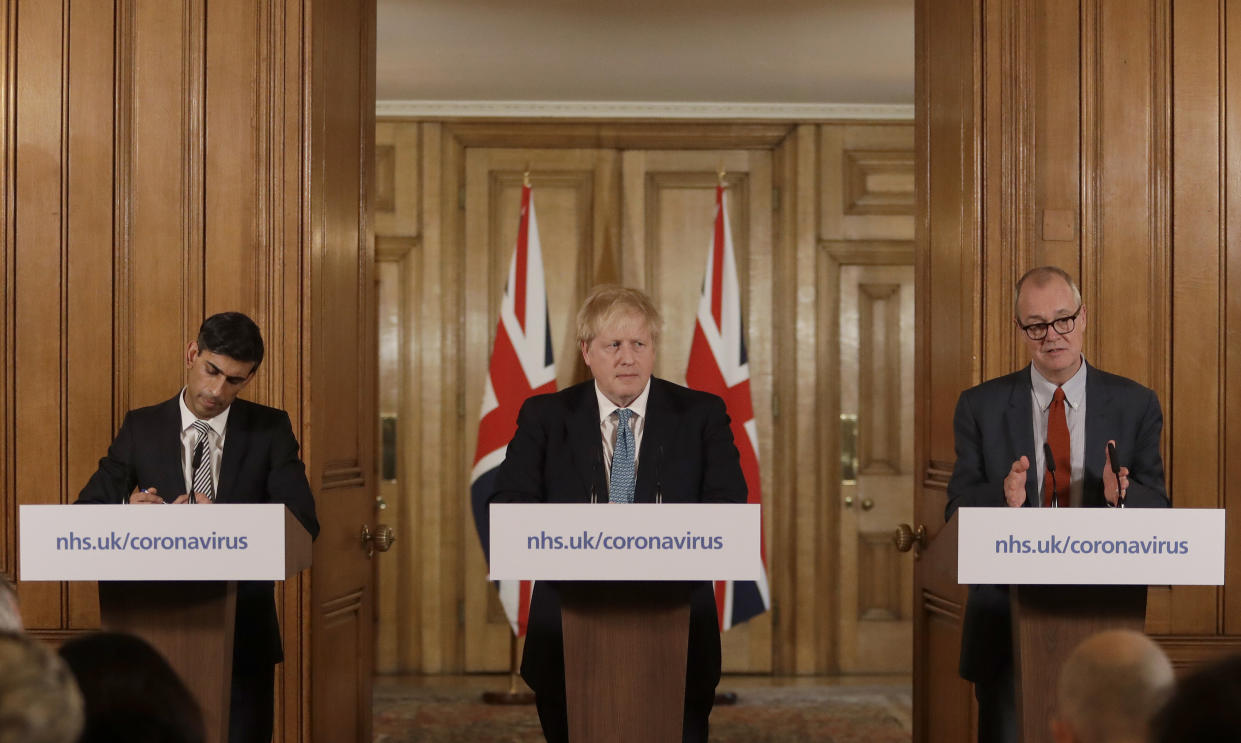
point(1091, 546)
point(154, 542)
point(639, 541)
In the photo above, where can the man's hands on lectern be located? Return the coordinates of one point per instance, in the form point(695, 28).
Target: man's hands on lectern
point(1113, 490)
point(145, 495)
point(149, 495)
point(1015, 483)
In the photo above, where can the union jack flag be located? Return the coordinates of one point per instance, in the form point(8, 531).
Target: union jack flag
point(718, 364)
point(521, 366)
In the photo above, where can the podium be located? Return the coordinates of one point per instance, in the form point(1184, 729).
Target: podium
point(169, 575)
point(1074, 572)
point(626, 574)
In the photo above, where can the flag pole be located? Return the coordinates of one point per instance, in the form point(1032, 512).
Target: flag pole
point(514, 695)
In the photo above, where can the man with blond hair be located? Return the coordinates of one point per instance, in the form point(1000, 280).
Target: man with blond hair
point(1110, 686)
point(623, 437)
point(39, 700)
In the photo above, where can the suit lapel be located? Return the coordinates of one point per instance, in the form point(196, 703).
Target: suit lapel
point(1099, 414)
point(169, 452)
point(1019, 418)
point(661, 419)
point(236, 443)
point(585, 442)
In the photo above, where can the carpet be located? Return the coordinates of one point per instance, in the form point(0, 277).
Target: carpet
point(792, 714)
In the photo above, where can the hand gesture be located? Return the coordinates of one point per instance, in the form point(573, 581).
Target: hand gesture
point(1015, 483)
point(1113, 488)
point(145, 495)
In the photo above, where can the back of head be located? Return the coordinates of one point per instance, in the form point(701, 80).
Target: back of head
point(1111, 684)
point(131, 692)
point(10, 615)
point(607, 302)
point(1206, 707)
point(234, 335)
point(39, 701)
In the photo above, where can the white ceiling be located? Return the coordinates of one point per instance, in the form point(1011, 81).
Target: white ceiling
point(668, 51)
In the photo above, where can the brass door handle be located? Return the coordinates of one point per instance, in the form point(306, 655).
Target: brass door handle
point(906, 538)
point(867, 504)
point(848, 501)
point(380, 541)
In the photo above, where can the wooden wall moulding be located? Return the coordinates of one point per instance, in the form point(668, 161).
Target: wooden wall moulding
point(1191, 651)
point(933, 603)
point(878, 182)
point(938, 473)
point(385, 178)
point(870, 252)
point(342, 475)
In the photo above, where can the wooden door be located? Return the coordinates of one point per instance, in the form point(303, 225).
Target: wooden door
point(876, 412)
point(339, 386)
point(668, 212)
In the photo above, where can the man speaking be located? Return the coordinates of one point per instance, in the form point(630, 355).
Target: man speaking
point(625, 437)
point(205, 446)
point(1044, 437)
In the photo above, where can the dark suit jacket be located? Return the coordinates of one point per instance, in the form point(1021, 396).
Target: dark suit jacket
point(259, 465)
point(993, 427)
point(687, 455)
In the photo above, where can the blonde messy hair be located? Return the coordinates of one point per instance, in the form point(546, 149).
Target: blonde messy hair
point(609, 301)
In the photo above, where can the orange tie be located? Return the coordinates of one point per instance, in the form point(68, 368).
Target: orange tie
point(1058, 439)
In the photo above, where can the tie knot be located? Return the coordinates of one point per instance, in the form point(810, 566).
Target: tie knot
point(1058, 396)
point(622, 414)
point(203, 427)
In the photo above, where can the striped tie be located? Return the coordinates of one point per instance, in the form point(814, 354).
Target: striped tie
point(202, 461)
point(620, 489)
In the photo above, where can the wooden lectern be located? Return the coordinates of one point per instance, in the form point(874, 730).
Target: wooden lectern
point(184, 602)
point(1073, 572)
point(625, 648)
point(1048, 622)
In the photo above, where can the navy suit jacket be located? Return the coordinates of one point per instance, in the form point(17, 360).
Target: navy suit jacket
point(260, 464)
point(687, 455)
point(993, 427)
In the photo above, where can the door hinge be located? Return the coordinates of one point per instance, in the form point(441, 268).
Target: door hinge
point(775, 199)
point(461, 197)
point(775, 404)
point(460, 613)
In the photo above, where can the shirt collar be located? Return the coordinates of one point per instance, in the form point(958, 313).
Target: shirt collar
point(1074, 388)
point(606, 406)
point(217, 423)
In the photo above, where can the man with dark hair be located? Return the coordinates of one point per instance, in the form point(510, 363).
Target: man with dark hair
point(1002, 428)
point(207, 446)
point(130, 691)
point(1204, 708)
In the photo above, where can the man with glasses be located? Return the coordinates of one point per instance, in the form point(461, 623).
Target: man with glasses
point(1000, 428)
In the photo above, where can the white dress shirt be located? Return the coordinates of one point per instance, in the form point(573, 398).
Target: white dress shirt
point(607, 426)
point(189, 441)
point(1041, 392)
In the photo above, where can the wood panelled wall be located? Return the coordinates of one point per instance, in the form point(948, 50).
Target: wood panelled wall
point(161, 161)
point(632, 202)
point(1096, 135)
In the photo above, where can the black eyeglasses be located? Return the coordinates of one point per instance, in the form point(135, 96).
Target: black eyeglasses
point(1037, 331)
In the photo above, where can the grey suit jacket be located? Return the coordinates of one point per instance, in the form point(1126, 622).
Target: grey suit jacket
point(994, 426)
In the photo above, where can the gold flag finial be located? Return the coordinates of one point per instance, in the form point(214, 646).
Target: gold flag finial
point(720, 174)
point(525, 176)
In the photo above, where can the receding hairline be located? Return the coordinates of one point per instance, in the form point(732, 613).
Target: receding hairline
point(1040, 277)
point(1114, 679)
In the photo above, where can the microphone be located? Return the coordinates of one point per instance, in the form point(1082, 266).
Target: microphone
point(1050, 461)
point(1111, 455)
point(596, 473)
point(659, 490)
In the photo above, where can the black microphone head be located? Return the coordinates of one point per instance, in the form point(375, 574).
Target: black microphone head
point(1049, 459)
point(1111, 455)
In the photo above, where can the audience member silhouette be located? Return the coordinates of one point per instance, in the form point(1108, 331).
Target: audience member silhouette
point(1205, 708)
point(10, 615)
point(1109, 687)
point(131, 692)
point(39, 701)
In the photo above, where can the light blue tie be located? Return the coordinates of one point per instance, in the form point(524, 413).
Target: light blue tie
point(620, 490)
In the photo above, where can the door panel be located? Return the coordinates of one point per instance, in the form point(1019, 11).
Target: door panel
point(876, 408)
